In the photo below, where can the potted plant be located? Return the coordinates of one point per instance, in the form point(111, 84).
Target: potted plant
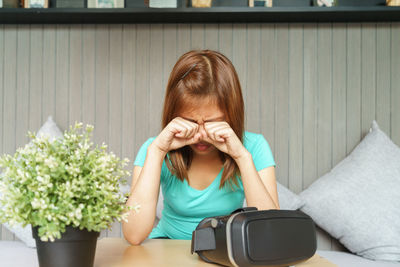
point(67, 191)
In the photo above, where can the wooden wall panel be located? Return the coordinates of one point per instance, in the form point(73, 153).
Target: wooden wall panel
point(10, 71)
point(338, 93)
point(115, 103)
point(49, 75)
point(252, 104)
point(295, 131)
point(353, 86)
point(267, 87)
point(368, 75)
point(75, 70)
point(128, 94)
point(383, 72)
point(310, 105)
point(281, 126)
point(1, 96)
point(395, 83)
point(35, 71)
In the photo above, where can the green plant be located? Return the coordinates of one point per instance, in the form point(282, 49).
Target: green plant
point(54, 184)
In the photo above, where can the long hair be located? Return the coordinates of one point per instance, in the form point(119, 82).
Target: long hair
point(199, 75)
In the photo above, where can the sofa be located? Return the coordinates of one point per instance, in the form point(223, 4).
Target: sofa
point(354, 206)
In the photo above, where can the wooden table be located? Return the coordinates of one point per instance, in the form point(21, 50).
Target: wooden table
point(117, 252)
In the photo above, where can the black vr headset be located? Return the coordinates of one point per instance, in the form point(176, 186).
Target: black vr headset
point(251, 237)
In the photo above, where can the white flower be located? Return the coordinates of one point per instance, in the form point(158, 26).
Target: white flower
point(125, 216)
point(35, 203)
point(51, 162)
point(78, 214)
point(77, 154)
point(71, 215)
point(39, 158)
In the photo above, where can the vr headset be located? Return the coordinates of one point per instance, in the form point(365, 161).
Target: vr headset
point(250, 237)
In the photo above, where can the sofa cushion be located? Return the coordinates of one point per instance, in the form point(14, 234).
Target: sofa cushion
point(357, 202)
point(287, 199)
point(16, 253)
point(50, 129)
point(346, 259)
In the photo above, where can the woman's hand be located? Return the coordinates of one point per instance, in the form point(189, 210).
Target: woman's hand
point(178, 133)
point(222, 136)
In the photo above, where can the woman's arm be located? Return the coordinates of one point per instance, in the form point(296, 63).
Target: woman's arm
point(255, 184)
point(144, 191)
point(259, 187)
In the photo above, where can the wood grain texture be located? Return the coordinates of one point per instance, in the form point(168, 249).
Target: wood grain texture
point(353, 86)
point(282, 103)
point(310, 105)
point(75, 74)
point(383, 72)
point(1, 96)
point(267, 87)
point(9, 99)
point(368, 76)
point(252, 103)
point(36, 69)
point(296, 82)
point(115, 103)
point(102, 68)
point(395, 83)
point(338, 93)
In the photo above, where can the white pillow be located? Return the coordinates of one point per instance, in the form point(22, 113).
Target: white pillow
point(358, 201)
point(50, 129)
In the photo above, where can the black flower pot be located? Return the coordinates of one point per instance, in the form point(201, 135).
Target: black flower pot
point(75, 248)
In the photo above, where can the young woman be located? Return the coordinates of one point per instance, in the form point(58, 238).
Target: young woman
point(204, 160)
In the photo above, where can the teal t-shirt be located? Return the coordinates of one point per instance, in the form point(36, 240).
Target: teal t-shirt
point(185, 206)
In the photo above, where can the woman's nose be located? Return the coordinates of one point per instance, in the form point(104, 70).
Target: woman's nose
point(202, 130)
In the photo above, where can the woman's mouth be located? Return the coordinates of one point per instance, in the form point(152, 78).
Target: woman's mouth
point(202, 146)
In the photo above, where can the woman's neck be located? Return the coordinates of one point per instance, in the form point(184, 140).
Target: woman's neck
point(207, 159)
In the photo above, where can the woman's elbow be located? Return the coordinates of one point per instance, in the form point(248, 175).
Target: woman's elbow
point(130, 236)
point(134, 239)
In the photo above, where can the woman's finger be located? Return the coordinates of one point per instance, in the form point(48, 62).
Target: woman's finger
point(221, 134)
point(214, 130)
point(195, 139)
point(183, 128)
point(190, 126)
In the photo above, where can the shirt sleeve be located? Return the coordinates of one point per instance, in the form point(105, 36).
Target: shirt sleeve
point(141, 155)
point(262, 154)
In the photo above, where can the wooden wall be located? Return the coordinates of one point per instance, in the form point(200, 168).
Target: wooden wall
point(311, 89)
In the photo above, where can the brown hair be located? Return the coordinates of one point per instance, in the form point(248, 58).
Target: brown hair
point(210, 75)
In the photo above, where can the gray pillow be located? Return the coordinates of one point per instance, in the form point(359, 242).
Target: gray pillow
point(358, 201)
point(287, 199)
point(50, 129)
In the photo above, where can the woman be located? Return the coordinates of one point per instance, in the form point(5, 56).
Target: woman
point(203, 159)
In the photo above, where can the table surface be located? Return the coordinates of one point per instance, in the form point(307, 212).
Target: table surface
point(117, 252)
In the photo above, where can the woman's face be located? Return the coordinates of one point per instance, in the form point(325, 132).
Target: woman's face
point(204, 112)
